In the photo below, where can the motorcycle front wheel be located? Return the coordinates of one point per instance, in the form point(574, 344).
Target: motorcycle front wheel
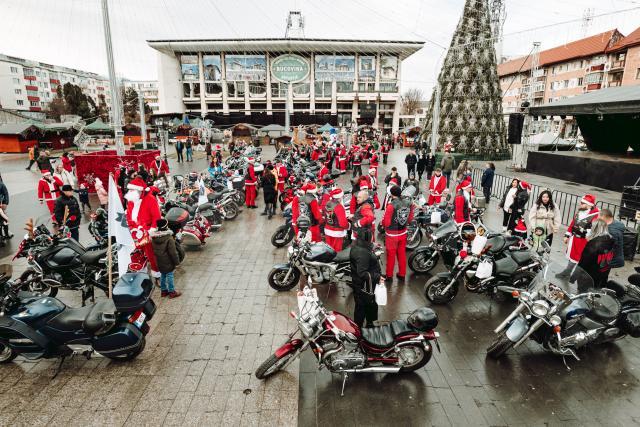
point(274, 364)
point(6, 353)
point(434, 287)
point(36, 286)
point(282, 236)
point(423, 261)
point(230, 211)
point(500, 346)
point(414, 236)
point(413, 357)
point(276, 279)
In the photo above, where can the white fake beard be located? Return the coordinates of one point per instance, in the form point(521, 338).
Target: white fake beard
point(133, 196)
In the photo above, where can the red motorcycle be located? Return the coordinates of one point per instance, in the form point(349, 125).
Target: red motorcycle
point(188, 232)
point(340, 345)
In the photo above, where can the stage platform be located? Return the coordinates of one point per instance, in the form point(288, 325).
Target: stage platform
point(608, 171)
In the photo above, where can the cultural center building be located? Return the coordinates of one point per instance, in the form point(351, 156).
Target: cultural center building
point(341, 82)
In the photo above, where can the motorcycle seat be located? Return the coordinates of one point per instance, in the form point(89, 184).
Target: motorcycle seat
point(498, 243)
point(617, 287)
point(343, 255)
point(88, 319)
point(215, 196)
point(521, 257)
point(385, 336)
point(204, 207)
point(605, 308)
point(95, 320)
point(93, 257)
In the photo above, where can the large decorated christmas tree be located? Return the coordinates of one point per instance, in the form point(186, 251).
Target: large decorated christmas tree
point(470, 118)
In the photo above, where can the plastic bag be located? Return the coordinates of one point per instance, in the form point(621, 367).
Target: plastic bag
point(436, 217)
point(485, 268)
point(478, 244)
point(381, 294)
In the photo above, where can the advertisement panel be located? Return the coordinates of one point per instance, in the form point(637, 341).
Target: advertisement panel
point(389, 67)
point(290, 68)
point(338, 68)
point(246, 67)
point(367, 69)
point(212, 67)
point(189, 66)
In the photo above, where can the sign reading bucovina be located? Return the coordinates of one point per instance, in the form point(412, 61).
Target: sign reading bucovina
point(290, 68)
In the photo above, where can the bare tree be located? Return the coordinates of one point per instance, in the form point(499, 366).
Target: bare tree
point(411, 101)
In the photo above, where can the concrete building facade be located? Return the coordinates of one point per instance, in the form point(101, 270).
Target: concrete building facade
point(149, 89)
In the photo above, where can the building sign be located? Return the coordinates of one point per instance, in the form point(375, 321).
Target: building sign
point(246, 67)
point(389, 67)
point(367, 69)
point(212, 67)
point(189, 66)
point(339, 68)
point(290, 68)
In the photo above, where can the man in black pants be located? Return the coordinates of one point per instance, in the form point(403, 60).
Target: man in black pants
point(411, 160)
point(365, 275)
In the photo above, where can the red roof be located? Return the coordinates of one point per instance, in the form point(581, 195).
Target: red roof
point(631, 40)
point(589, 46)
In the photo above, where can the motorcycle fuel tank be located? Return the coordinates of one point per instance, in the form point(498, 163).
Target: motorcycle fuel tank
point(320, 252)
point(39, 310)
point(345, 324)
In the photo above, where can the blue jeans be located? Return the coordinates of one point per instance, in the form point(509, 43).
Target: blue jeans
point(166, 282)
point(189, 154)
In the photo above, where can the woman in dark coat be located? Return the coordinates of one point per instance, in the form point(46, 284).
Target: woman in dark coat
point(430, 165)
point(487, 180)
point(422, 164)
point(596, 257)
point(268, 184)
point(365, 275)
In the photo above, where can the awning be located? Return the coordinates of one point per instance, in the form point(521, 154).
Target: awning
point(98, 126)
point(326, 128)
point(612, 100)
point(19, 128)
point(54, 127)
point(272, 128)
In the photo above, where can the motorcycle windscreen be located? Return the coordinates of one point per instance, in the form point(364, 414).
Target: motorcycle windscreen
point(446, 228)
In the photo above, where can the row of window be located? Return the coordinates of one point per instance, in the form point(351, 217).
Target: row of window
point(20, 103)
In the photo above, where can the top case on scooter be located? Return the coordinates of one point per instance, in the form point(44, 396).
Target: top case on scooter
point(132, 292)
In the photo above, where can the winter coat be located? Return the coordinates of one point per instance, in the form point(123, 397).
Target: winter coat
point(4, 194)
point(165, 250)
point(542, 216)
point(103, 195)
point(44, 163)
point(73, 218)
point(388, 179)
point(430, 164)
point(268, 183)
point(596, 259)
point(422, 163)
point(448, 163)
point(411, 160)
point(364, 264)
point(487, 178)
point(617, 229)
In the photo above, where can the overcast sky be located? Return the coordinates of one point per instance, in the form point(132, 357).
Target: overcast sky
point(69, 32)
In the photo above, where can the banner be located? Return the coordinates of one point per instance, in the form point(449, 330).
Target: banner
point(119, 229)
point(367, 69)
point(212, 67)
point(389, 67)
point(189, 67)
point(339, 68)
point(246, 67)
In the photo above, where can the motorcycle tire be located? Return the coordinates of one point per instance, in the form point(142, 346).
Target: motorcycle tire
point(277, 275)
point(415, 241)
point(273, 364)
point(239, 197)
point(421, 261)
point(282, 236)
point(132, 354)
point(230, 212)
point(6, 353)
point(500, 346)
point(38, 288)
point(421, 357)
point(432, 287)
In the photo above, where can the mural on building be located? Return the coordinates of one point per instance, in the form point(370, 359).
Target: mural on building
point(246, 67)
point(338, 68)
point(212, 67)
point(189, 66)
point(367, 68)
point(389, 67)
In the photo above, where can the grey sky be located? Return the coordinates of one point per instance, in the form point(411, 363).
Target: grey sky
point(69, 32)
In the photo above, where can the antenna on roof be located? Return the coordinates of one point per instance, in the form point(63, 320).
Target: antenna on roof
point(587, 19)
point(295, 25)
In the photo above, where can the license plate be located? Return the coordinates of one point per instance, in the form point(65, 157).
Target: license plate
point(138, 318)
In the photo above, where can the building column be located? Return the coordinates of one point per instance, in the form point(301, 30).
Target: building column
point(376, 120)
point(334, 97)
point(395, 124)
point(223, 81)
point(269, 103)
point(354, 110)
point(378, 69)
point(247, 103)
point(203, 101)
point(312, 84)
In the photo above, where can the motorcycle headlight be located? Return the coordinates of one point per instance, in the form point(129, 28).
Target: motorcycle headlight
point(540, 308)
point(555, 320)
point(525, 296)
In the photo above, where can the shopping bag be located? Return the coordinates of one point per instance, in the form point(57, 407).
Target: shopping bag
point(381, 294)
point(485, 268)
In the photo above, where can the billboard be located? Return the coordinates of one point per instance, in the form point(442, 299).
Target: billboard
point(189, 67)
point(212, 67)
point(389, 67)
point(338, 68)
point(367, 68)
point(246, 67)
point(290, 68)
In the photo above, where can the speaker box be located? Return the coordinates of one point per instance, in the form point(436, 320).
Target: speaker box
point(515, 128)
point(629, 244)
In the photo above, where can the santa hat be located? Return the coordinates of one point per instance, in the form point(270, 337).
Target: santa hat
point(372, 170)
point(46, 173)
point(589, 199)
point(218, 148)
point(466, 183)
point(337, 193)
point(137, 184)
point(521, 227)
point(393, 181)
point(310, 188)
point(364, 184)
point(525, 185)
point(250, 159)
point(158, 158)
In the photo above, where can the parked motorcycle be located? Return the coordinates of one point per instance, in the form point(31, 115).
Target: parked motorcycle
point(212, 213)
point(426, 218)
point(189, 232)
point(39, 327)
point(564, 314)
point(443, 242)
point(342, 347)
point(284, 234)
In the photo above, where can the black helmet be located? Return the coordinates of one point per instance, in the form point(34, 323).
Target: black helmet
point(423, 319)
point(304, 223)
point(101, 214)
point(326, 177)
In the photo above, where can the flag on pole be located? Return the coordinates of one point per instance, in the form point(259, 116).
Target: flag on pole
point(119, 229)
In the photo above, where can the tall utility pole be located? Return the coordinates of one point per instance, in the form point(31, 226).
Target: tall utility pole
point(498, 14)
point(143, 123)
point(435, 119)
point(521, 160)
point(116, 104)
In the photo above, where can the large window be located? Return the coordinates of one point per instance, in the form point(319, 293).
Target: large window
point(279, 90)
point(301, 90)
point(389, 67)
point(14, 70)
point(323, 89)
point(246, 67)
point(189, 67)
point(212, 67)
point(330, 68)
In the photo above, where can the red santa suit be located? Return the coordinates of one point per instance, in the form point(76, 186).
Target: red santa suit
point(363, 218)
point(373, 163)
point(49, 189)
point(335, 221)
point(462, 203)
point(143, 212)
point(159, 165)
point(437, 185)
point(577, 236)
point(397, 215)
point(66, 164)
point(307, 205)
point(250, 183)
point(315, 154)
point(342, 157)
point(324, 170)
point(283, 174)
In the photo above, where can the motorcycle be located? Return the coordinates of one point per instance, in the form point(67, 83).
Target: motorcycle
point(189, 232)
point(318, 261)
point(562, 321)
point(344, 348)
point(41, 327)
point(284, 234)
point(443, 242)
point(426, 217)
point(212, 213)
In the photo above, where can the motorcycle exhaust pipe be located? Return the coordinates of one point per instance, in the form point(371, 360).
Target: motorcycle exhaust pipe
point(375, 370)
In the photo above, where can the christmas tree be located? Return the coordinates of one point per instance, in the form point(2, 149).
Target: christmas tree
point(470, 118)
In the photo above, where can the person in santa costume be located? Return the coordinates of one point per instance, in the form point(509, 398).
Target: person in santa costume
point(283, 174)
point(373, 164)
point(397, 215)
point(462, 203)
point(356, 162)
point(342, 159)
point(576, 236)
point(385, 152)
point(49, 189)
point(335, 221)
point(159, 165)
point(250, 183)
point(142, 213)
point(307, 205)
point(437, 187)
point(324, 170)
point(372, 180)
point(362, 216)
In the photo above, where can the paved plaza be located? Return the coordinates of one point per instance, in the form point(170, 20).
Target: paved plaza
point(203, 348)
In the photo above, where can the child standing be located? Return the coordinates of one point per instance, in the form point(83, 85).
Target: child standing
point(167, 256)
point(83, 197)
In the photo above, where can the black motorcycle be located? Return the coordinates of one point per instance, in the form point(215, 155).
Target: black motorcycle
point(39, 327)
point(443, 242)
point(211, 212)
point(284, 234)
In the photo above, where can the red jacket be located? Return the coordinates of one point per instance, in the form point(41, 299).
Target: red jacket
point(365, 215)
point(462, 208)
point(324, 170)
point(283, 174)
point(250, 178)
point(335, 224)
point(436, 189)
point(49, 191)
point(374, 161)
point(66, 164)
point(162, 168)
